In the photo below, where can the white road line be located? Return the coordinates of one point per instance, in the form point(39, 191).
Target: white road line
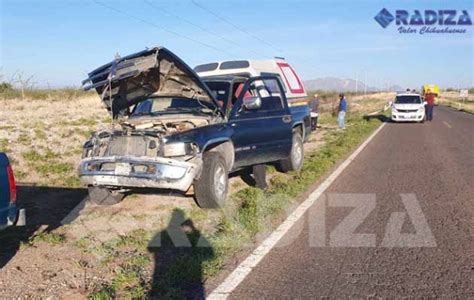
point(245, 267)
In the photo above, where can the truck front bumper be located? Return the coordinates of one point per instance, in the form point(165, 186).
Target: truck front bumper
point(123, 172)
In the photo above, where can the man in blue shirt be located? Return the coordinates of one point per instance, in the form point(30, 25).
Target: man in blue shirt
point(342, 111)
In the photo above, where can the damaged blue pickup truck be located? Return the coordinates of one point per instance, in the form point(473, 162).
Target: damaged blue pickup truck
point(172, 133)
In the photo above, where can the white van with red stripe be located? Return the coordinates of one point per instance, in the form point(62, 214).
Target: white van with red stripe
point(292, 83)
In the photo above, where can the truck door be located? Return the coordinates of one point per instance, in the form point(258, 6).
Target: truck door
point(261, 122)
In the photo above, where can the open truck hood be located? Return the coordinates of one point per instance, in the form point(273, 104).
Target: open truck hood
point(128, 80)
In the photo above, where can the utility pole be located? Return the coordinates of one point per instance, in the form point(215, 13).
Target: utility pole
point(365, 85)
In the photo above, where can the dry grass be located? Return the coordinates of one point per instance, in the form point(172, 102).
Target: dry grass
point(44, 138)
point(452, 99)
point(357, 103)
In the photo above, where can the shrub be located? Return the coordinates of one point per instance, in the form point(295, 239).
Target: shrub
point(5, 87)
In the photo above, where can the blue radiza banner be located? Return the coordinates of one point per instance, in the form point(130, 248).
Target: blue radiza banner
point(427, 21)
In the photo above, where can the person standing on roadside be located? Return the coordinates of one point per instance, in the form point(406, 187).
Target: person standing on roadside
point(314, 111)
point(429, 99)
point(342, 111)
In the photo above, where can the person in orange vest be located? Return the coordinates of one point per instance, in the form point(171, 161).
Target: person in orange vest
point(429, 99)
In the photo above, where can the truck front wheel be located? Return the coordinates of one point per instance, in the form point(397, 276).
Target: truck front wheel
point(294, 162)
point(210, 190)
point(104, 196)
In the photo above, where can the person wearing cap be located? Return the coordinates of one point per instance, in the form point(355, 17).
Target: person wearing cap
point(314, 111)
point(342, 111)
point(429, 99)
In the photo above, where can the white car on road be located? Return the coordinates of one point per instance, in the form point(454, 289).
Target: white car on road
point(408, 107)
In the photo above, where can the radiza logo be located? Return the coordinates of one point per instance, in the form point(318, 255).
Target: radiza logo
point(384, 18)
point(426, 21)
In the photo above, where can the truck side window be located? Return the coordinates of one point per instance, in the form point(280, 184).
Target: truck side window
point(269, 92)
point(278, 76)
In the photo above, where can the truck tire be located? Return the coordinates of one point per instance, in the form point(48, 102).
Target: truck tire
point(294, 162)
point(210, 190)
point(104, 196)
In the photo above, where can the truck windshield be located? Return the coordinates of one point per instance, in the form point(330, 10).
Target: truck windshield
point(220, 90)
point(408, 100)
point(169, 105)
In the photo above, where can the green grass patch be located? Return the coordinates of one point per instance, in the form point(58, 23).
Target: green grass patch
point(83, 122)
point(53, 168)
point(48, 237)
point(49, 165)
point(104, 292)
point(72, 181)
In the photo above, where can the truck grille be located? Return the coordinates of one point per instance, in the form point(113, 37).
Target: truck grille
point(134, 145)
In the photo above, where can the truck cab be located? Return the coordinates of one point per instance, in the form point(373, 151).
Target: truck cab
point(227, 89)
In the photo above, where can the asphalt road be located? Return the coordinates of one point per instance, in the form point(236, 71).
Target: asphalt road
point(434, 162)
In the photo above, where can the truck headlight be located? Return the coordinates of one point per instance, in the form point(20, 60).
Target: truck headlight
point(178, 149)
point(171, 172)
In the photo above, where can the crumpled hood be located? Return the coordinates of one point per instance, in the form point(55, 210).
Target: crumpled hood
point(128, 80)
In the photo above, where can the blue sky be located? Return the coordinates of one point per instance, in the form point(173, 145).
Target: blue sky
point(60, 41)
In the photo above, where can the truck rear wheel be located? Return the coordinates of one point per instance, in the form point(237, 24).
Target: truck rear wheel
point(294, 162)
point(104, 196)
point(210, 190)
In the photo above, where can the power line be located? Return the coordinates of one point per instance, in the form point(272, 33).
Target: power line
point(235, 26)
point(167, 12)
point(161, 28)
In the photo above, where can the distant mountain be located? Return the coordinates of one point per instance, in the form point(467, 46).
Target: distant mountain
point(396, 88)
point(341, 85)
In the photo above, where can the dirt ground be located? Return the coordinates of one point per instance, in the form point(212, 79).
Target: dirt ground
point(47, 258)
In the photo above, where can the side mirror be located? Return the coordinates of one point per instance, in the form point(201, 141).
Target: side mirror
point(390, 103)
point(424, 102)
point(252, 103)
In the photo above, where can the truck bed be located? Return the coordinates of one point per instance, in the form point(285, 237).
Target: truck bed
point(301, 115)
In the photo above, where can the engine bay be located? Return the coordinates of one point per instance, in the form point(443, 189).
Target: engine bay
point(139, 137)
point(163, 126)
